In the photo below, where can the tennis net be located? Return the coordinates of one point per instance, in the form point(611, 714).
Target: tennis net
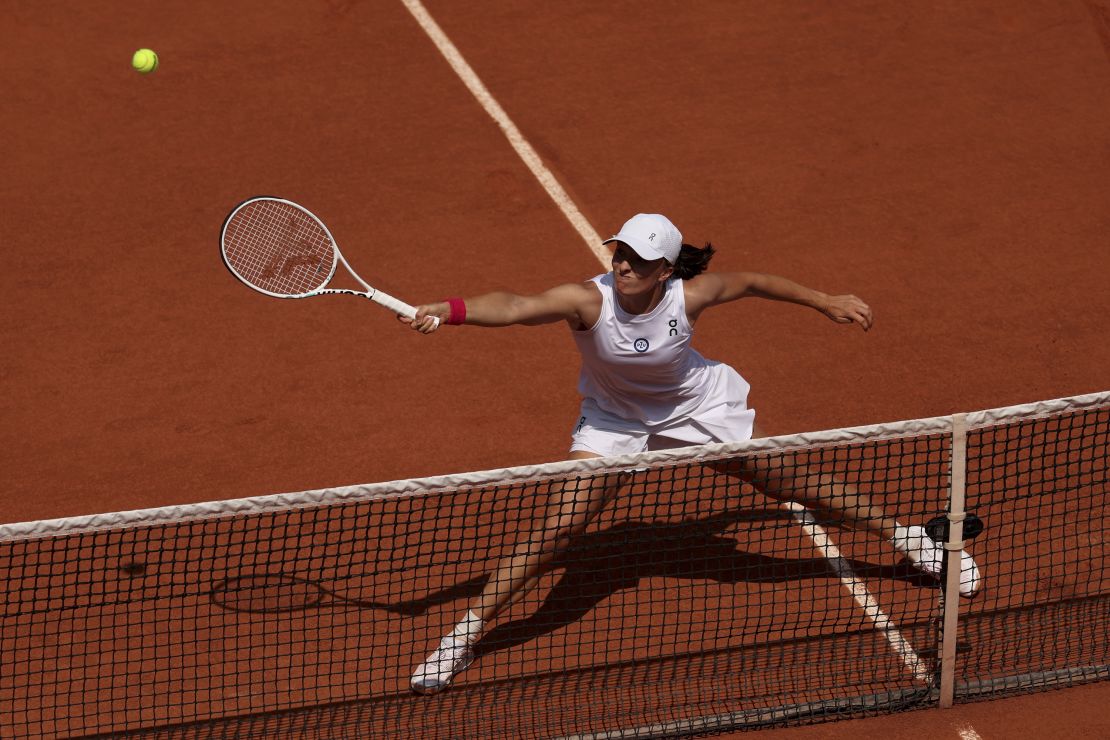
point(690, 603)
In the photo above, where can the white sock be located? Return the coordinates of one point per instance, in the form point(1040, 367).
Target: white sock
point(469, 629)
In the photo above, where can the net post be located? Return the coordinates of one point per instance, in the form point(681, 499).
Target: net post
point(953, 547)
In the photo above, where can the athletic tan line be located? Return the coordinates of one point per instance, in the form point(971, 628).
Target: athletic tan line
point(820, 538)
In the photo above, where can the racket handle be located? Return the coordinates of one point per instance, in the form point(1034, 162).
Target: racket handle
point(399, 307)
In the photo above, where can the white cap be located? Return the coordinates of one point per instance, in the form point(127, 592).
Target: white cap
point(652, 236)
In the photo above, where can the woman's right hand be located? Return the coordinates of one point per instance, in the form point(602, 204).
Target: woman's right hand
point(425, 321)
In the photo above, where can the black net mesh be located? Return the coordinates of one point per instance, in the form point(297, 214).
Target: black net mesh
point(691, 602)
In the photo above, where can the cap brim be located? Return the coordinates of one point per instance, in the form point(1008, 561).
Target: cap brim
point(639, 246)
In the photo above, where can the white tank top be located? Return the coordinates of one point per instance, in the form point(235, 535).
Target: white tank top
point(642, 367)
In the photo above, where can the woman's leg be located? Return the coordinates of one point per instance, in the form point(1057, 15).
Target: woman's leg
point(569, 511)
point(848, 507)
point(816, 490)
point(824, 491)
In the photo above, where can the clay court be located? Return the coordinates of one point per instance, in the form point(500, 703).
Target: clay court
point(946, 161)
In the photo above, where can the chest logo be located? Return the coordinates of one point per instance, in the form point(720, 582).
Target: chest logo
point(640, 345)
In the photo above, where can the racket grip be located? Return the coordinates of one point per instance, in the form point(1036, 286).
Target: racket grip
point(394, 305)
point(399, 307)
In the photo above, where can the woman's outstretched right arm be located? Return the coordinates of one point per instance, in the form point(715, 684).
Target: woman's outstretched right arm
point(576, 303)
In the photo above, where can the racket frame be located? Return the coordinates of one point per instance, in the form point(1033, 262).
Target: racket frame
point(377, 296)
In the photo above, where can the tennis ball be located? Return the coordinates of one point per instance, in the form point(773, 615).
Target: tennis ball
point(144, 61)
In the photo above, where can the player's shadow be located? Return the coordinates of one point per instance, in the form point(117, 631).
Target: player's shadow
point(597, 565)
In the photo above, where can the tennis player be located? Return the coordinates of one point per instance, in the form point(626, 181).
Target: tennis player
point(644, 387)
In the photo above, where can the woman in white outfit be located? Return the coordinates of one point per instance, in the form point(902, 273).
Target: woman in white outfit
point(644, 387)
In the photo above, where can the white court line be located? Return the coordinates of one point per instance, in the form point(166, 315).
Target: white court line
point(512, 133)
point(820, 538)
point(859, 591)
point(967, 732)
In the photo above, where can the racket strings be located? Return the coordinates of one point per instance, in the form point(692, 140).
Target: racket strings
point(278, 248)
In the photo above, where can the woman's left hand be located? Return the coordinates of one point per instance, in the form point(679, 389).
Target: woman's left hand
point(847, 309)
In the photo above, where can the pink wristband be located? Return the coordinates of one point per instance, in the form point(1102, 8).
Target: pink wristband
point(458, 311)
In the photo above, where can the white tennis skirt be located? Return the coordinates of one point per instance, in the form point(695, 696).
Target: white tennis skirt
point(606, 434)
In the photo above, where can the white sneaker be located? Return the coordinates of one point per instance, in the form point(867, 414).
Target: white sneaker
point(452, 657)
point(928, 557)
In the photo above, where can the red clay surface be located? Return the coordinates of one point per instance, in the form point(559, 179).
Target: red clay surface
point(947, 163)
point(1070, 713)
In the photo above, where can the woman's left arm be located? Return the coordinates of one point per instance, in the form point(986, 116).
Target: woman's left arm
point(711, 289)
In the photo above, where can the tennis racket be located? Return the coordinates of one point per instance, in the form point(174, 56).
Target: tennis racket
point(283, 250)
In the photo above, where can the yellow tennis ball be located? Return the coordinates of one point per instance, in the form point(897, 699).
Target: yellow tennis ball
point(144, 61)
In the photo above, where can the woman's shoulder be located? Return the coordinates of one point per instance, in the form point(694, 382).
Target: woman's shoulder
point(588, 298)
point(699, 284)
point(584, 293)
point(699, 291)
point(595, 287)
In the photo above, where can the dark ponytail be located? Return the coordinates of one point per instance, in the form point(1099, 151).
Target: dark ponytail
point(693, 260)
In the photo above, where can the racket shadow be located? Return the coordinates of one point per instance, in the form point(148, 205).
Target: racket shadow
point(276, 593)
